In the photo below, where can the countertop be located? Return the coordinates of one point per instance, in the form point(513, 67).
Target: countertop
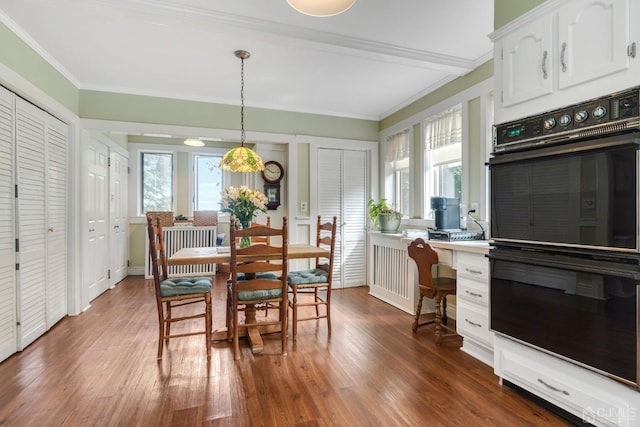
point(476, 246)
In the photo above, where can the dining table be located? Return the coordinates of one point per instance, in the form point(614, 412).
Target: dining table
point(222, 255)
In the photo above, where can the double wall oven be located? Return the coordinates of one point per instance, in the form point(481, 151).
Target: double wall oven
point(565, 212)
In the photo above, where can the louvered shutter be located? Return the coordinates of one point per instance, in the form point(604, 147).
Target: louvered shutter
point(330, 200)
point(56, 143)
point(30, 149)
point(342, 192)
point(354, 214)
point(8, 328)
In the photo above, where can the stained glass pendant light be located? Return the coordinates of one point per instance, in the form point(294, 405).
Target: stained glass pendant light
point(242, 159)
point(321, 8)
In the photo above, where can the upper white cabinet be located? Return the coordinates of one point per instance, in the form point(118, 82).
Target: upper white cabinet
point(593, 40)
point(526, 62)
point(565, 51)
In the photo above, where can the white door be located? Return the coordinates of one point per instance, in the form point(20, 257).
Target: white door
point(8, 320)
point(593, 36)
point(31, 224)
point(56, 208)
point(95, 251)
point(342, 192)
point(118, 178)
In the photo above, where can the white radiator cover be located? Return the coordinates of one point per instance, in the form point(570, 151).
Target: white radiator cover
point(176, 238)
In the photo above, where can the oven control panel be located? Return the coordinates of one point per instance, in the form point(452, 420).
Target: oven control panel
point(607, 114)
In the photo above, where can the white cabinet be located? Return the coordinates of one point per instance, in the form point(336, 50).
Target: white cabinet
point(589, 396)
point(472, 319)
point(526, 62)
point(565, 52)
point(593, 38)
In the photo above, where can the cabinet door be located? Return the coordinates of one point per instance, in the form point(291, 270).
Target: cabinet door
point(592, 40)
point(8, 320)
point(527, 62)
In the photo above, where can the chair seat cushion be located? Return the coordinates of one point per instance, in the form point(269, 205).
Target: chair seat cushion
point(307, 277)
point(261, 294)
point(176, 286)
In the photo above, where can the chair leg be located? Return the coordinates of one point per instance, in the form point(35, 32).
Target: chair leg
point(294, 309)
point(315, 300)
point(438, 319)
point(168, 322)
point(161, 325)
point(283, 319)
point(417, 319)
point(208, 321)
point(328, 308)
point(444, 310)
point(236, 340)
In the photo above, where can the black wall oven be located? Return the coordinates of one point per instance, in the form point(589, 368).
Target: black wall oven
point(565, 263)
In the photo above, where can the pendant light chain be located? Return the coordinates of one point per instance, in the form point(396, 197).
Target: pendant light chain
point(242, 102)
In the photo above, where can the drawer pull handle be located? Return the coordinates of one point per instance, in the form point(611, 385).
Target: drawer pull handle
point(468, 270)
point(473, 323)
point(550, 387)
point(474, 294)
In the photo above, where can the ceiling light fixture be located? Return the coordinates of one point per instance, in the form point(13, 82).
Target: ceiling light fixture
point(321, 7)
point(194, 142)
point(241, 159)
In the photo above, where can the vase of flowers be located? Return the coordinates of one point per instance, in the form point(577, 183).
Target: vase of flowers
point(243, 203)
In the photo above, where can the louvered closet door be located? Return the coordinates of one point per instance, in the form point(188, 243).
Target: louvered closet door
point(56, 208)
point(8, 328)
point(32, 227)
point(342, 192)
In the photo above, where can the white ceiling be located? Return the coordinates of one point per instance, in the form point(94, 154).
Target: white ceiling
point(368, 62)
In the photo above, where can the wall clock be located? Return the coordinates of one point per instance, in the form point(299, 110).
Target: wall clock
point(272, 174)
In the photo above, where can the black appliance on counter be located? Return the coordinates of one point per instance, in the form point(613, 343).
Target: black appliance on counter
point(447, 212)
point(565, 211)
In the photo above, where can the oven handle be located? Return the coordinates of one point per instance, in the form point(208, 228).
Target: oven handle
point(589, 145)
point(552, 261)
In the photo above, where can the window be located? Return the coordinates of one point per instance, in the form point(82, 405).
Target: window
point(397, 171)
point(157, 181)
point(207, 182)
point(443, 155)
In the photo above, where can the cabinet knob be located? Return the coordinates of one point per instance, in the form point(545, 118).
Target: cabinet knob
point(50, 229)
point(545, 74)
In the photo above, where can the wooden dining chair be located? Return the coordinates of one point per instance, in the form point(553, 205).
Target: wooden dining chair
point(176, 293)
point(436, 288)
point(258, 280)
point(261, 239)
point(306, 286)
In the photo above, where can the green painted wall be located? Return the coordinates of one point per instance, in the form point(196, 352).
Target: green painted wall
point(15, 54)
point(475, 168)
point(505, 11)
point(146, 109)
point(481, 73)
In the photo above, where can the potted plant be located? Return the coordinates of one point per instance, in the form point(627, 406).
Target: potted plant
point(384, 216)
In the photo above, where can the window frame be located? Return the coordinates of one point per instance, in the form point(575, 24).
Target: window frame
point(139, 171)
point(390, 172)
point(192, 180)
point(427, 170)
point(415, 123)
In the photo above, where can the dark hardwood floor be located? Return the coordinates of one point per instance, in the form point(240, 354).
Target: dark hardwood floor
point(100, 369)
